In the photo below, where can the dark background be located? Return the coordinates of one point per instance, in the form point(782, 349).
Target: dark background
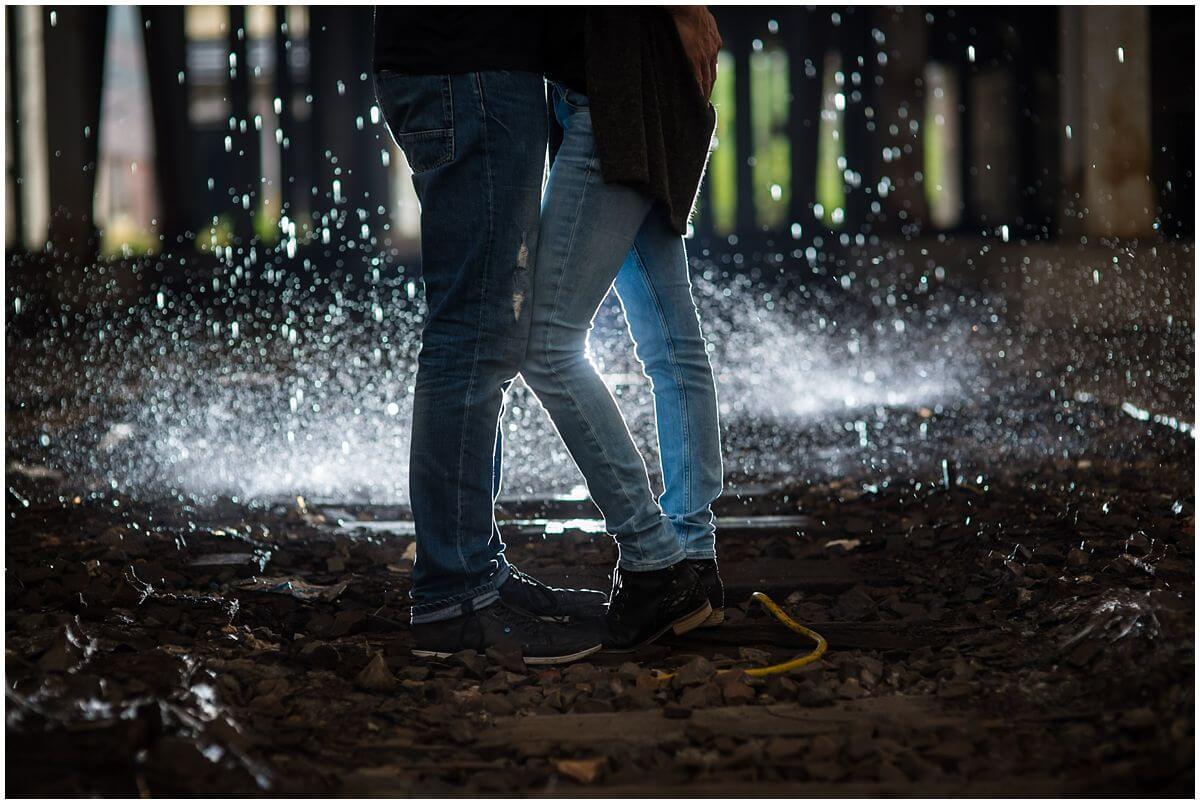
point(223, 159)
point(944, 264)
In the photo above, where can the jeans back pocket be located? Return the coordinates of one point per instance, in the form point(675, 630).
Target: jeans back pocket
point(419, 110)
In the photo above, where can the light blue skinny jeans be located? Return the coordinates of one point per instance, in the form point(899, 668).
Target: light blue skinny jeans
point(592, 235)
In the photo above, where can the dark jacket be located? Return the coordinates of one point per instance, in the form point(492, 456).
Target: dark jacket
point(653, 126)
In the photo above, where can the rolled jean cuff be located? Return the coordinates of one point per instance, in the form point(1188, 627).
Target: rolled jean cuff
point(633, 565)
point(480, 597)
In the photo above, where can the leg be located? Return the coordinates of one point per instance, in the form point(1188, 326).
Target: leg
point(478, 155)
point(498, 457)
point(587, 228)
point(656, 294)
point(498, 454)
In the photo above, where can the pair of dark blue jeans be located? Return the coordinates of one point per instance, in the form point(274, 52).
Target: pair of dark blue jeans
point(594, 236)
point(476, 143)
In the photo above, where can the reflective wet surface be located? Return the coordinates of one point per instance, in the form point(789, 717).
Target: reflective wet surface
point(983, 500)
point(263, 383)
point(1031, 634)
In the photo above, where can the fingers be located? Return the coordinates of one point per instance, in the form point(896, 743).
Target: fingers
point(701, 42)
point(711, 68)
point(714, 48)
point(714, 33)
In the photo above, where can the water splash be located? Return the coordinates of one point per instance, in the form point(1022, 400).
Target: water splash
point(279, 382)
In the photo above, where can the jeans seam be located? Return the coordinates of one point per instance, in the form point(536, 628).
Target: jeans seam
point(672, 360)
point(551, 362)
point(470, 393)
point(449, 94)
point(482, 99)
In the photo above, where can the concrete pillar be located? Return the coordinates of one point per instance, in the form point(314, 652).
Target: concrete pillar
point(858, 48)
point(1038, 126)
point(374, 174)
point(30, 103)
point(246, 170)
point(942, 165)
point(16, 200)
point(738, 41)
point(1173, 121)
point(1106, 92)
point(945, 169)
point(991, 116)
point(349, 177)
point(285, 92)
point(805, 35)
point(74, 64)
point(900, 118)
point(961, 34)
point(166, 71)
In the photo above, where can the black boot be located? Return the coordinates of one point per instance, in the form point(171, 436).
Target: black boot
point(500, 625)
point(530, 595)
point(645, 605)
point(710, 577)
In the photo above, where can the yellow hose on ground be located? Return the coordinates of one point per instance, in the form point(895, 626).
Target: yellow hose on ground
point(779, 614)
point(783, 667)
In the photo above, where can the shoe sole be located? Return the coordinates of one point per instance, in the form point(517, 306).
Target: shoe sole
point(680, 627)
point(571, 657)
point(716, 618)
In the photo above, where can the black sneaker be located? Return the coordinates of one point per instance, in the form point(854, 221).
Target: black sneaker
point(710, 577)
point(549, 603)
point(645, 605)
point(500, 625)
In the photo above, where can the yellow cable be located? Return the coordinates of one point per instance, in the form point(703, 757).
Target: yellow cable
point(799, 661)
point(783, 667)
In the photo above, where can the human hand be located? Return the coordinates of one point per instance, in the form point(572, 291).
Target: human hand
point(701, 42)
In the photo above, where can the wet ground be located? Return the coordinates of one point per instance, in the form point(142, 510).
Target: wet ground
point(990, 518)
point(1032, 635)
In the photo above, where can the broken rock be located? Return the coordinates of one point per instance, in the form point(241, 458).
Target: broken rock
point(584, 771)
point(697, 671)
point(376, 677)
point(66, 651)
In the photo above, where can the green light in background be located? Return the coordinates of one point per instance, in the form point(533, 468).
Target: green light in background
point(831, 190)
point(722, 167)
point(772, 150)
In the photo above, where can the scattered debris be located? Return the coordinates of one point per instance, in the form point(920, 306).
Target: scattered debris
point(995, 652)
point(376, 677)
point(299, 589)
point(584, 771)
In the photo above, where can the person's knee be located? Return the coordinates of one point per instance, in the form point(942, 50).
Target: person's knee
point(446, 343)
point(449, 364)
point(679, 362)
point(549, 366)
point(654, 354)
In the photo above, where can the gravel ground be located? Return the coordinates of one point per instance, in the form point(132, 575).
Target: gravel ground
point(1005, 577)
point(1032, 635)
